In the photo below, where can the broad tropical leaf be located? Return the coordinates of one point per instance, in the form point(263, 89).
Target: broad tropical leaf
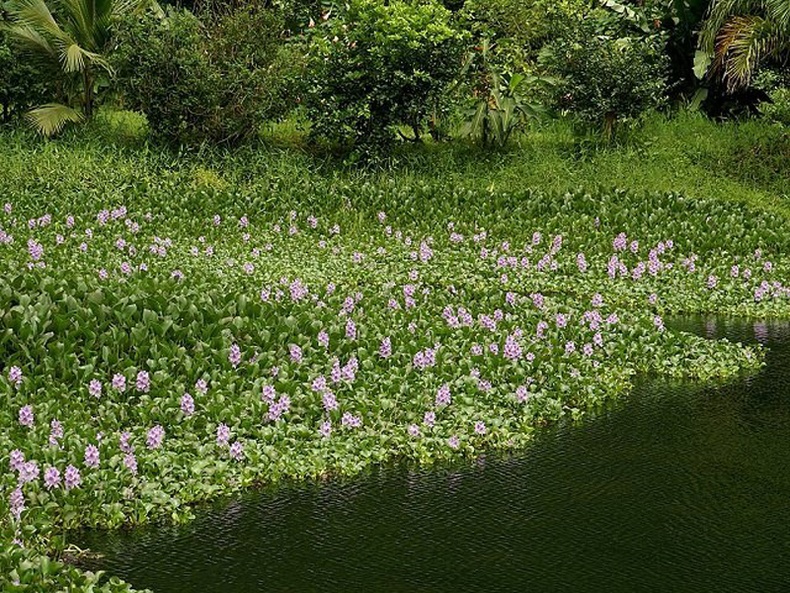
point(49, 119)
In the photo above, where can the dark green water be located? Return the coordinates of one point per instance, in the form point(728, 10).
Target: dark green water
point(676, 489)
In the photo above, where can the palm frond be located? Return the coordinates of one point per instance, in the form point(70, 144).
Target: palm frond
point(36, 15)
point(30, 39)
point(743, 42)
point(49, 119)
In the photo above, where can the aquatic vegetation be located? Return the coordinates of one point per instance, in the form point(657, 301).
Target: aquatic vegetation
point(154, 356)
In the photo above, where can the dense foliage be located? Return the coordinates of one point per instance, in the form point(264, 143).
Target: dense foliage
point(22, 85)
point(604, 78)
point(199, 82)
point(380, 65)
point(174, 331)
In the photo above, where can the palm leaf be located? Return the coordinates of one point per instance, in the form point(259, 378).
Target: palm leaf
point(31, 40)
point(49, 119)
point(743, 42)
point(36, 15)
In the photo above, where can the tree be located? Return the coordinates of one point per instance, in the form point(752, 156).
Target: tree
point(72, 37)
point(740, 34)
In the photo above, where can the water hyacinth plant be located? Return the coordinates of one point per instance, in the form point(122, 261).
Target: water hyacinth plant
point(153, 356)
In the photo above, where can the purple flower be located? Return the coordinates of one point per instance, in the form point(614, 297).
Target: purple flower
point(15, 375)
point(55, 433)
point(562, 320)
point(268, 393)
point(16, 502)
point(323, 339)
point(414, 430)
point(237, 451)
point(298, 290)
point(201, 386)
point(94, 388)
point(581, 262)
point(51, 477)
point(35, 249)
point(480, 427)
point(130, 462)
point(119, 382)
point(319, 384)
point(92, 456)
point(598, 339)
point(329, 401)
point(522, 393)
point(143, 382)
point(351, 330)
point(454, 442)
point(155, 437)
point(234, 355)
point(659, 323)
point(296, 353)
point(71, 477)
point(570, 347)
point(187, 404)
point(326, 429)
point(28, 472)
point(223, 435)
point(277, 409)
point(16, 460)
point(712, 281)
point(123, 442)
point(350, 420)
point(443, 395)
point(512, 348)
point(349, 371)
point(385, 348)
point(26, 417)
point(429, 419)
point(426, 253)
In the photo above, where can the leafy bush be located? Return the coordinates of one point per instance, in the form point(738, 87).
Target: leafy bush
point(378, 65)
point(519, 28)
point(22, 85)
point(200, 82)
point(605, 79)
point(777, 109)
point(499, 107)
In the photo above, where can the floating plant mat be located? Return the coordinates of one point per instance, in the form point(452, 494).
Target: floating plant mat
point(675, 488)
point(154, 360)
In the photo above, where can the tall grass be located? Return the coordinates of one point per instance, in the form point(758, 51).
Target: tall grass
point(689, 154)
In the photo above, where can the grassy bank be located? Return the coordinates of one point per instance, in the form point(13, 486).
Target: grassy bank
point(179, 327)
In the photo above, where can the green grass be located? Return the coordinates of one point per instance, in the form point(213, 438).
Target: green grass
point(688, 154)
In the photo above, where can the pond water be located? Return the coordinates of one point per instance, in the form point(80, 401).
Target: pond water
point(676, 488)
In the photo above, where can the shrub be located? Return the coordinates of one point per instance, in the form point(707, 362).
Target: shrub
point(519, 28)
point(379, 65)
point(605, 79)
point(22, 85)
point(199, 82)
point(499, 107)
